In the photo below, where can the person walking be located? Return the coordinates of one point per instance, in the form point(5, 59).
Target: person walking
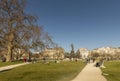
point(25, 59)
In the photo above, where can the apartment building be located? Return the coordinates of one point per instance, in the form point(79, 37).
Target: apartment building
point(53, 53)
point(83, 52)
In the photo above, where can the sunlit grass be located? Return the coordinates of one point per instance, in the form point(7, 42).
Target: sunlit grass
point(64, 71)
point(112, 70)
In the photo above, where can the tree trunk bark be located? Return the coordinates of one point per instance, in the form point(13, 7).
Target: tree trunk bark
point(10, 47)
point(9, 53)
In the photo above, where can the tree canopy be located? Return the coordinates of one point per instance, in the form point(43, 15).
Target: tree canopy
point(19, 30)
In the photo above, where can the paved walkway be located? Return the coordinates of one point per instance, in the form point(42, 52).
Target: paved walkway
point(4, 68)
point(90, 73)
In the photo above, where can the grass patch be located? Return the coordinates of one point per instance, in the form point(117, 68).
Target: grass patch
point(8, 63)
point(64, 71)
point(113, 70)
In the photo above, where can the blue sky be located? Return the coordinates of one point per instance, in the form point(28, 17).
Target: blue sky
point(85, 23)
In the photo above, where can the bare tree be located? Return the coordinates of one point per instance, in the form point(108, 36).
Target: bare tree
point(19, 31)
point(16, 27)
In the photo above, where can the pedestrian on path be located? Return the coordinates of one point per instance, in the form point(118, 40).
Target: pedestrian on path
point(25, 59)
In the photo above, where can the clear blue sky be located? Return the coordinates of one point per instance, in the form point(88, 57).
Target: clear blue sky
point(85, 23)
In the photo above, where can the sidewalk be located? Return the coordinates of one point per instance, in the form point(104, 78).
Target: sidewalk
point(11, 66)
point(90, 73)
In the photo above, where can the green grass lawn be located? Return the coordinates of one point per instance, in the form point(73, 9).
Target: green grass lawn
point(9, 63)
point(113, 70)
point(64, 71)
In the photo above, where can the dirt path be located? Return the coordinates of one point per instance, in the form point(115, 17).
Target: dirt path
point(11, 66)
point(90, 73)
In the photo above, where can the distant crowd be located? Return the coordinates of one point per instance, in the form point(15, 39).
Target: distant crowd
point(98, 61)
point(25, 59)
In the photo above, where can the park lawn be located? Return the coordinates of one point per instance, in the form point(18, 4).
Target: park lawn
point(9, 63)
point(113, 70)
point(64, 71)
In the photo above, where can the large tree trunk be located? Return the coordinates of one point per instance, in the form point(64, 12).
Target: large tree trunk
point(10, 47)
point(9, 53)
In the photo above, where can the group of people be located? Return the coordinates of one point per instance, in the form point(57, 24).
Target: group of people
point(89, 60)
point(98, 61)
point(33, 60)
